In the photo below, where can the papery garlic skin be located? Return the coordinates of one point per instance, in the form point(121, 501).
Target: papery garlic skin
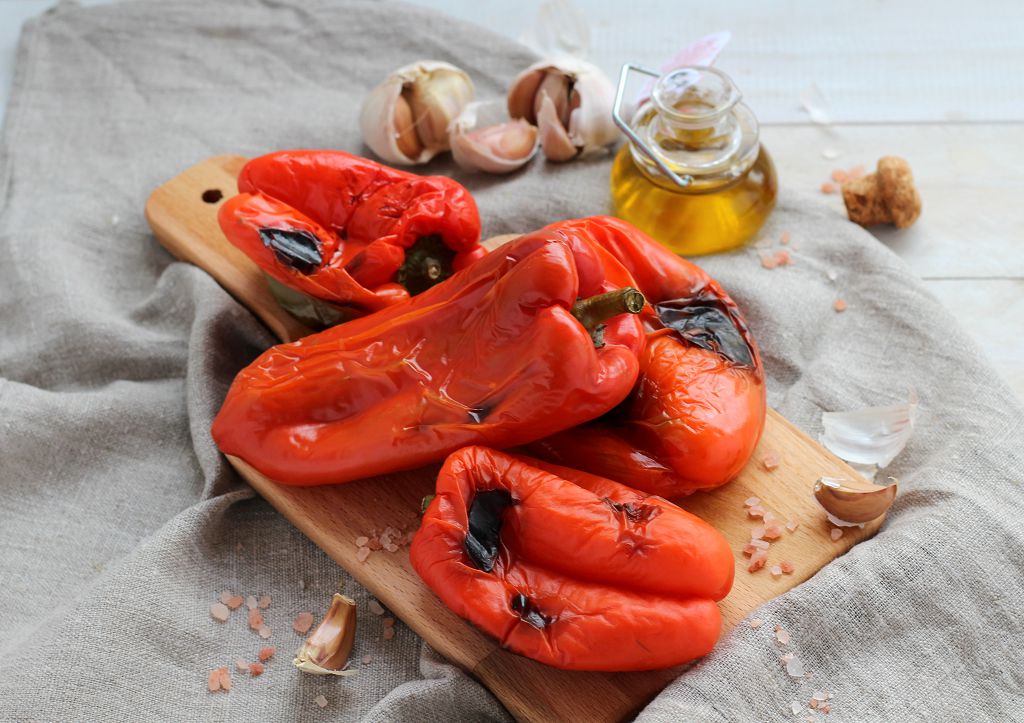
point(570, 101)
point(405, 119)
point(499, 148)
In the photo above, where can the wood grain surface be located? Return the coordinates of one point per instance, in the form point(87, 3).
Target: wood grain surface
point(333, 517)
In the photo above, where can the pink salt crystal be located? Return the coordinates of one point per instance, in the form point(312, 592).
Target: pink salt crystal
point(840, 176)
point(362, 553)
point(776, 571)
point(374, 544)
point(367, 659)
point(782, 257)
point(225, 678)
point(303, 621)
point(787, 657)
point(756, 511)
point(255, 669)
point(785, 238)
point(826, 709)
point(224, 596)
point(391, 547)
point(220, 612)
point(250, 602)
point(771, 461)
point(839, 305)
point(772, 532)
point(751, 501)
point(375, 607)
point(795, 668)
point(795, 707)
point(757, 533)
point(757, 561)
point(769, 517)
point(255, 619)
point(264, 632)
point(320, 701)
point(787, 567)
point(768, 261)
point(267, 653)
point(388, 622)
point(385, 540)
point(362, 540)
point(389, 633)
point(836, 533)
point(756, 623)
point(235, 602)
point(813, 703)
point(781, 635)
point(791, 525)
point(749, 550)
point(213, 681)
point(264, 602)
point(241, 664)
point(760, 544)
point(828, 188)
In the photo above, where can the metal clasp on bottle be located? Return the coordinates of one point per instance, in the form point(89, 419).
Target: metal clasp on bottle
point(681, 181)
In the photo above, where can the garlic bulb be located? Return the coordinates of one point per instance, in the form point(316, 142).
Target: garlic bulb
point(570, 100)
point(405, 119)
point(498, 147)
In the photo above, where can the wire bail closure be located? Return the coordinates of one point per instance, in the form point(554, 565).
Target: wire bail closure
point(681, 181)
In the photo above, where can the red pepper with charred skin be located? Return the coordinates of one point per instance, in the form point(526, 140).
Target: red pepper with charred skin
point(532, 339)
point(699, 407)
point(349, 231)
point(570, 569)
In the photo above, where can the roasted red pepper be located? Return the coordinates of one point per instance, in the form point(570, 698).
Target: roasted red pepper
point(570, 569)
point(699, 406)
point(349, 231)
point(502, 353)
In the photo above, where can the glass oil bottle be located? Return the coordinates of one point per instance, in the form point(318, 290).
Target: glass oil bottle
point(693, 175)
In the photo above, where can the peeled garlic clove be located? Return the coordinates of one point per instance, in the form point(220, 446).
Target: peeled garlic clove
point(405, 119)
point(327, 649)
point(854, 502)
point(500, 148)
point(586, 117)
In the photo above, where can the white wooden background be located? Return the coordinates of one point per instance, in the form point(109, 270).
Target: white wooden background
point(940, 83)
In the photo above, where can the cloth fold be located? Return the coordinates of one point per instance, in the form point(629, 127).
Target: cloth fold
point(120, 523)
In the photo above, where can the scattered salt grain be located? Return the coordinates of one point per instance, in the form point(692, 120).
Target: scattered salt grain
point(264, 632)
point(757, 561)
point(785, 238)
point(795, 707)
point(840, 176)
point(839, 305)
point(769, 518)
point(391, 547)
point(820, 696)
point(751, 501)
point(374, 544)
point(255, 619)
point(362, 553)
point(828, 188)
point(241, 664)
point(760, 544)
point(388, 622)
point(831, 275)
point(771, 461)
point(830, 154)
point(256, 669)
point(756, 511)
point(791, 525)
point(389, 633)
point(224, 596)
point(812, 703)
point(757, 533)
point(786, 657)
point(772, 532)
point(787, 567)
point(780, 258)
point(775, 570)
point(267, 653)
point(213, 680)
point(795, 668)
point(362, 540)
point(836, 533)
point(225, 678)
point(375, 607)
point(781, 635)
point(826, 709)
point(235, 602)
point(115, 219)
point(749, 550)
point(367, 659)
point(264, 602)
point(756, 623)
point(303, 621)
point(251, 602)
point(220, 612)
point(320, 701)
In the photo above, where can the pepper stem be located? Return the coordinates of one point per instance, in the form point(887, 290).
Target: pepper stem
point(595, 310)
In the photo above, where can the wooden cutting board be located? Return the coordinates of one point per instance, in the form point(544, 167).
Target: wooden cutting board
point(183, 215)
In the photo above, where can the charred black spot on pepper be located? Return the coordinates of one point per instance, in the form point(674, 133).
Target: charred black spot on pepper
point(427, 262)
point(707, 321)
point(634, 512)
point(298, 249)
point(528, 612)
point(485, 517)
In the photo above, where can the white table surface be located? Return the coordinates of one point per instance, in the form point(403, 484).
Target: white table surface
point(939, 83)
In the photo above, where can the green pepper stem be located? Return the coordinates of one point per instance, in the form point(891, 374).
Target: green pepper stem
point(595, 310)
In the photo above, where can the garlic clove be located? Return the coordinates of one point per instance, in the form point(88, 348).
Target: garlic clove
point(405, 119)
point(854, 502)
point(554, 138)
point(500, 148)
point(581, 98)
point(327, 649)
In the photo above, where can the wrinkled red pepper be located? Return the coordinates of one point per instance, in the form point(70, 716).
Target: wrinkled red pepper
point(349, 231)
point(502, 353)
point(570, 569)
point(699, 406)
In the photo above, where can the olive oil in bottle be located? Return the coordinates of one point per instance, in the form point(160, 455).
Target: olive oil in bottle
point(694, 175)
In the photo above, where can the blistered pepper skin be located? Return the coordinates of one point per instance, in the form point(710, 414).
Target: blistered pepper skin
point(491, 356)
point(588, 574)
point(699, 407)
point(349, 231)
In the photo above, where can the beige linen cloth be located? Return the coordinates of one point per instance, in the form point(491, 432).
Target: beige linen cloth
point(120, 523)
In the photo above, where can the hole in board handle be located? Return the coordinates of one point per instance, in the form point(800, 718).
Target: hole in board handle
point(212, 195)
